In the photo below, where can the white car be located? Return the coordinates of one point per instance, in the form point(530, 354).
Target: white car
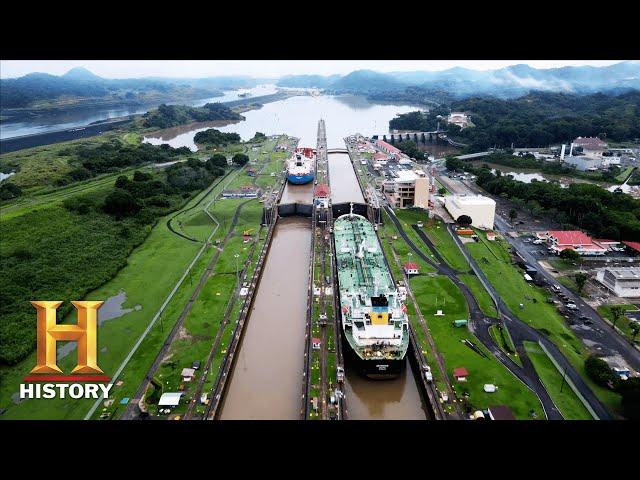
point(572, 306)
point(538, 242)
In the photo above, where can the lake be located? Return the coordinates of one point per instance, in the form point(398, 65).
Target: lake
point(84, 116)
point(298, 116)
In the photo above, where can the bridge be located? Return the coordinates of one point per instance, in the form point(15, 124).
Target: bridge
point(469, 156)
point(415, 136)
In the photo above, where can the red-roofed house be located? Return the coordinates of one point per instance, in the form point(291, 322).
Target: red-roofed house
point(323, 190)
point(634, 247)
point(411, 268)
point(379, 156)
point(460, 374)
point(316, 343)
point(582, 243)
point(590, 143)
point(387, 147)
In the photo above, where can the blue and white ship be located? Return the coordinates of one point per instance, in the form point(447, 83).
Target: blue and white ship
point(300, 169)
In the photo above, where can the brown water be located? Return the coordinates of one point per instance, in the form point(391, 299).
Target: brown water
point(297, 193)
point(266, 382)
point(397, 399)
point(344, 183)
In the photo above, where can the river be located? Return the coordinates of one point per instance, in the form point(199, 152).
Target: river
point(82, 117)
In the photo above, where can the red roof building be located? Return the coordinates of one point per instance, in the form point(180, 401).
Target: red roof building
point(323, 190)
point(582, 243)
point(460, 372)
point(380, 156)
point(411, 268)
point(635, 246)
point(387, 147)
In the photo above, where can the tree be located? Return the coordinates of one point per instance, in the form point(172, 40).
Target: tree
point(464, 220)
point(630, 391)
point(569, 254)
point(121, 203)
point(240, 159)
point(617, 312)
point(599, 371)
point(217, 160)
point(442, 191)
point(512, 214)
point(581, 279)
point(9, 190)
point(635, 329)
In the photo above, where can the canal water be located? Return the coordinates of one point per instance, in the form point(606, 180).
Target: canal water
point(396, 399)
point(297, 194)
point(298, 116)
point(344, 183)
point(266, 382)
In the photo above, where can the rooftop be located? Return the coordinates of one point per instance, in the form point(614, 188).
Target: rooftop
point(460, 372)
point(406, 176)
point(473, 200)
point(570, 237)
point(589, 142)
point(171, 399)
point(501, 412)
point(387, 146)
point(625, 273)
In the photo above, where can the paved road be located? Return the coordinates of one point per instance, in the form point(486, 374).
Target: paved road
point(520, 332)
point(609, 342)
point(480, 323)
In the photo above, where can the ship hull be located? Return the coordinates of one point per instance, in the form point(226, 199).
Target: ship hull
point(373, 369)
point(299, 179)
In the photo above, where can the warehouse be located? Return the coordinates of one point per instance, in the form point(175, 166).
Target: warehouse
point(623, 282)
point(481, 209)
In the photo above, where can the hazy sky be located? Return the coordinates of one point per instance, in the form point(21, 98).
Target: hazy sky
point(259, 68)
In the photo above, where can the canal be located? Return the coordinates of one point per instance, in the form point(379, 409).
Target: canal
point(366, 399)
point(266, 382)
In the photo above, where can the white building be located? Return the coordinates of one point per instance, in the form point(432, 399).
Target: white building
point(458, 118)
point(481, 209)
point(623, 281)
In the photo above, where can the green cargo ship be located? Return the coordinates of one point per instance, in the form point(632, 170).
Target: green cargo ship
point(374, 318)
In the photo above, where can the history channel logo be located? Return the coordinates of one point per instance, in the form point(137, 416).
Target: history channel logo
point(46, 379)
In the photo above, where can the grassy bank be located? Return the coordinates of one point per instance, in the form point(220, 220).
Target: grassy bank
point(438, 292)
point(561, 393)
point(495, 261)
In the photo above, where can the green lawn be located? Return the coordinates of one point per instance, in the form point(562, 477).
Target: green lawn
point(446, 246)
point(438, 292)
point(566, 400)
point(152, 271)
point(623, 325)
point(505, 342)
point(495, 261)
point(480, 293)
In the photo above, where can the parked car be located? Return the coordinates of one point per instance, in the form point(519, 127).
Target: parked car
point(571, 306)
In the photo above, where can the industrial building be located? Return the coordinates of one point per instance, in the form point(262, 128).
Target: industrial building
point(623, 281)
point(410, 188)
point(481, 209)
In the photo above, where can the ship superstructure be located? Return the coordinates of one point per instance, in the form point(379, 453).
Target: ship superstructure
point(374, 318)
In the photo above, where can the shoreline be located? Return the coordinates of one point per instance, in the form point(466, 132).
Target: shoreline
point(32, 140)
